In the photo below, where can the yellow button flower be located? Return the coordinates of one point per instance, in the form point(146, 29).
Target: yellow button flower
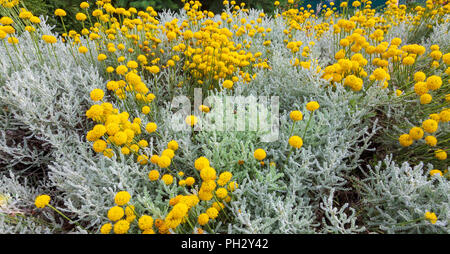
point(41, 201)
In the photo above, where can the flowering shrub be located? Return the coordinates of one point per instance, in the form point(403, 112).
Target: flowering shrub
point(90, 122)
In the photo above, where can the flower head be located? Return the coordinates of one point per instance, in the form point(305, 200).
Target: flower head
point(430, 125)
point(296, 115)
point(259, 154)
point(97, 94)
point(49, 38)
point(153, 175)
point(405, 140)
point(431, 217)
point(41, 201)
point(121, 227)
point(296, 141)
point(60, 13)
point(191, 120)
point(145, 222)
point(115, 213)
point(312, 106)
point(203, 219)
point(106, 228)
point(435, 171)
point(122, 198)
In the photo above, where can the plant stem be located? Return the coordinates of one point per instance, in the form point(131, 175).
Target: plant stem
point(65, 217)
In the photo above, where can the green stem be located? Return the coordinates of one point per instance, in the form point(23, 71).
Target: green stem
point(9, 55)
point(65, 217)
point(307, 125)
point(56, 57)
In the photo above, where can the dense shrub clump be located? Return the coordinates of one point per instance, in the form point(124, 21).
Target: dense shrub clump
point(143, 121)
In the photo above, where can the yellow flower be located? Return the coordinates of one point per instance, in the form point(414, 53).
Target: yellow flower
point(6, 21)
point(115, 213)
point(232, 186)
point(446, 58)
point(108, 153)
point(440, 154)
point(145, 110)
point(151, 127)
point(153, 175)
point(212, 213)
point(101, 57)
point(164, 161)
point(296, 115)
point(145, 222)
point(312, 106)
point(129, 210)
point(435, 117)
point(296, 141)
point(41, 201)
point(227, 84)
point(224, 178)
point(435, 171)
point(379, 74)
point(259, 154)
point(2, 35)
point(121, 227)
point(431, 217)
point(416, 133)
point(180, 210)
point(143, 143)
point(444, 116)
point(120, 138)
point(204, 108)
point(154, 159)
point(430, 125)
point(434, 82)
point(84, 5)
point(431, 140)
point(49, 38)
point(425, 98)
point(122, 198)
point(153, 69)
point(82, 49)
point(408, 60)
point(99, 146)
point(208, 174)
point(148, 231)
point(201, 163)
point(419, 76)
point(132, 64)
point(121, 69)
point(420, 88)
point(191, 120)
point(173, 145)
point(13, 40)
point(221, 192)
point(141, 159)
point(97, 94)
point(190, 181)
point(405, 140)
point(80, 16)
point(203, 219)
point(344, 42)
point(106, 228)
point(169, 153)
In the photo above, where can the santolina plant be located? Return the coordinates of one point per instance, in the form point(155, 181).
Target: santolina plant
point(234, 122)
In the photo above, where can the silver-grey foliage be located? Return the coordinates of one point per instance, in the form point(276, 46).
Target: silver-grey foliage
point(43, 128)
